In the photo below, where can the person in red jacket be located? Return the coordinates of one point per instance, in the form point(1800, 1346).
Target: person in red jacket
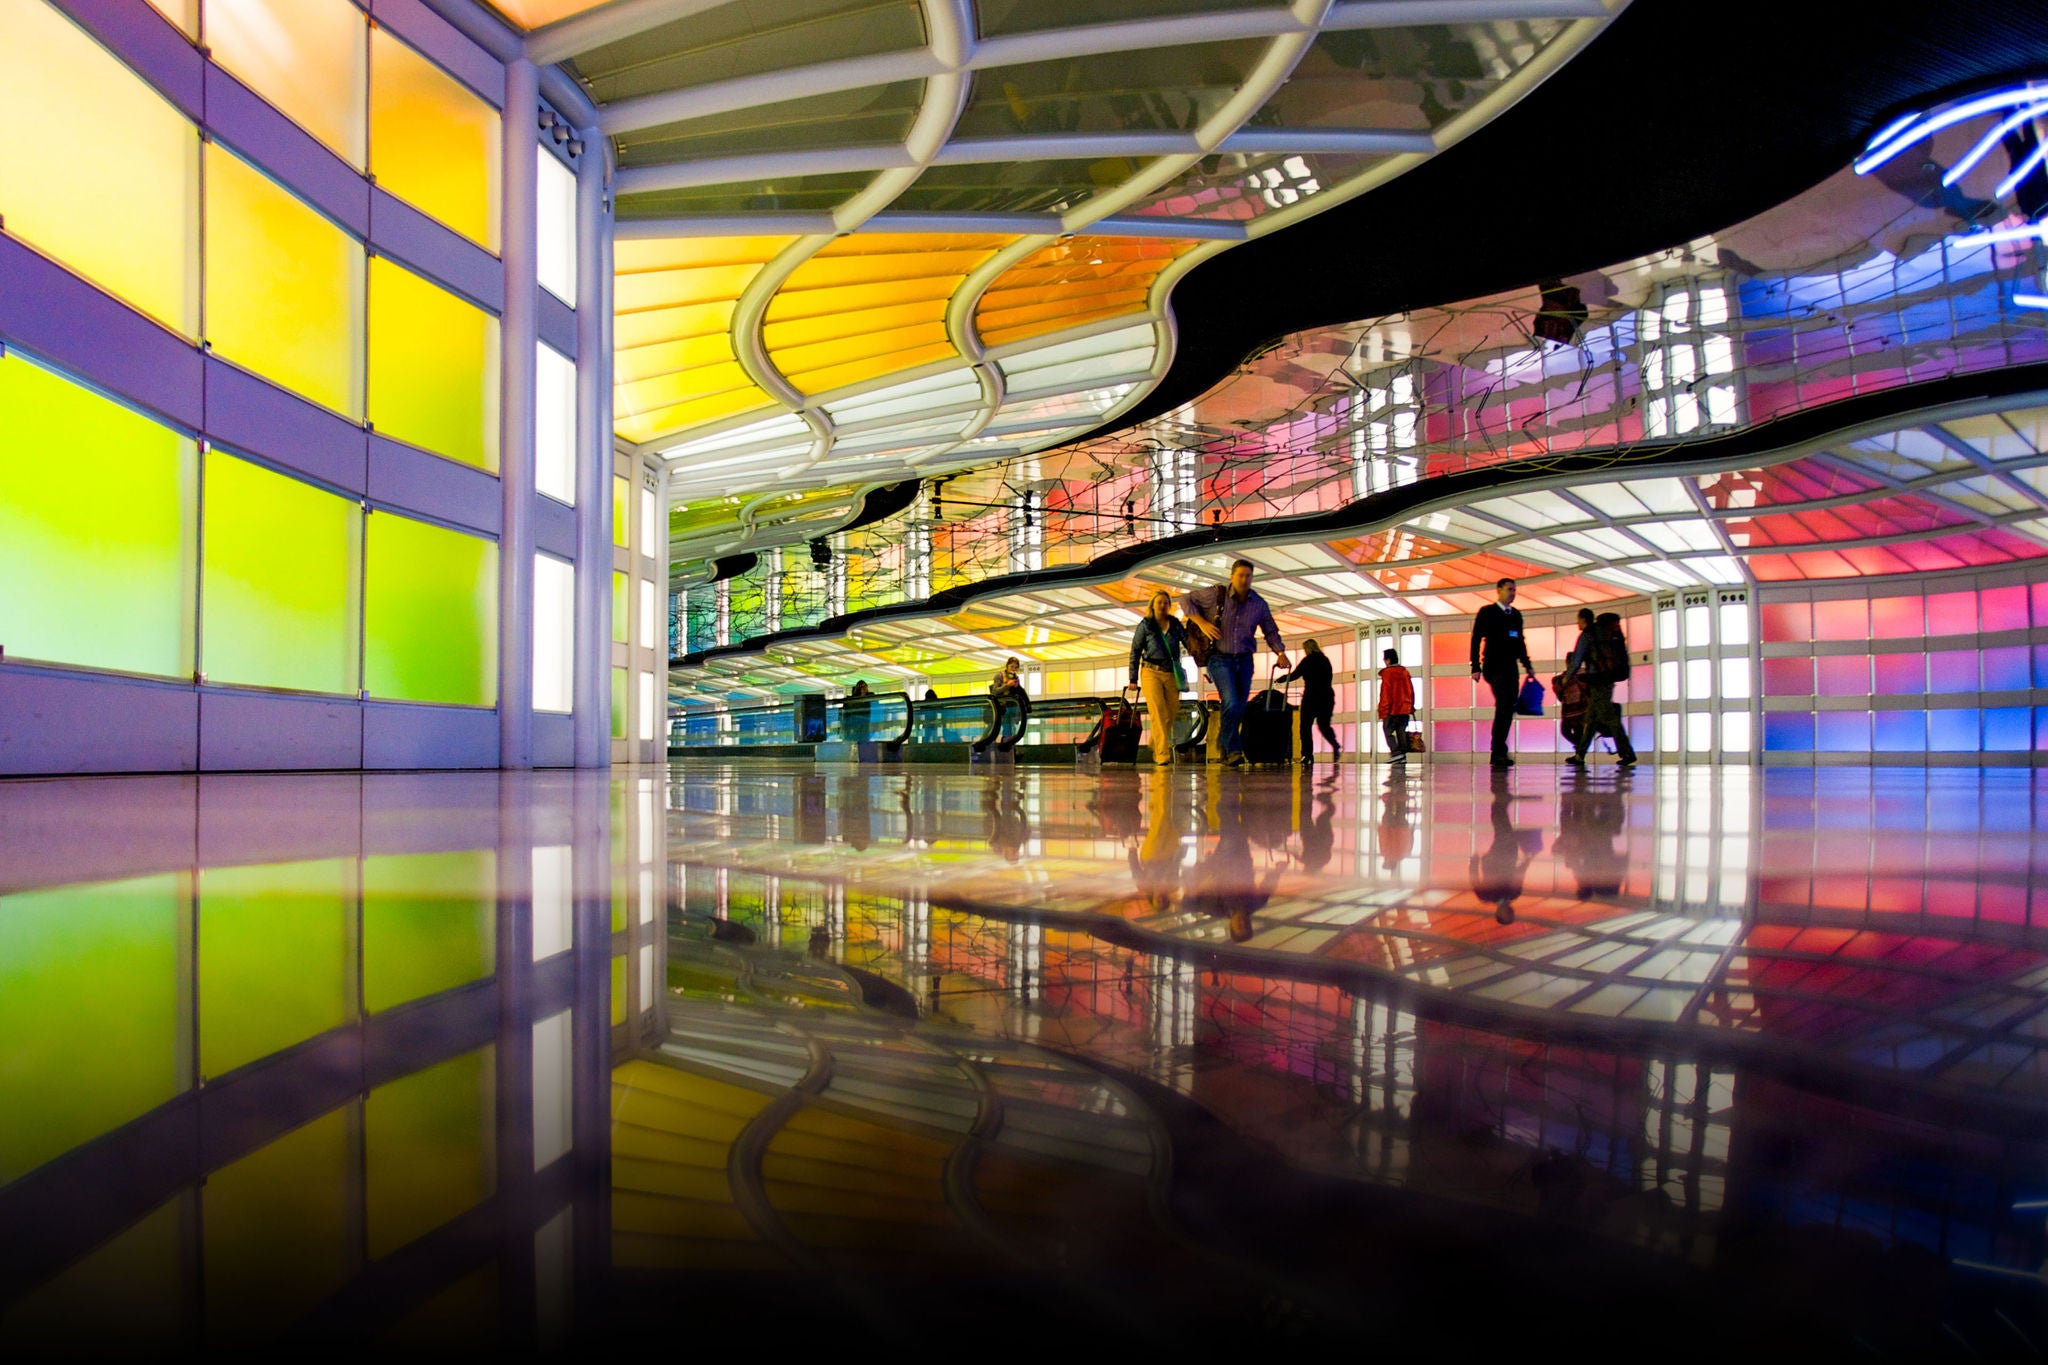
point(1397, 704)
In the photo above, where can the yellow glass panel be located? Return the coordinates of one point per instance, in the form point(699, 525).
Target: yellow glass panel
point(276, 1229)
point(622, 504)
point(433, 367)
point(429, 1146)
point(278, 576)
point(782, 336)
point(433, 143)
point(674, 303)
point(309, 58)
point(284, 286)
point(681, 417)
point(126, 1297)
point(109, 185)
point(98, 529)
point(251, 919)
point(429, 923)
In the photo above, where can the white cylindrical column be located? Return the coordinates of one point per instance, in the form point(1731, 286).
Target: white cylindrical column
point(593, 689)
point(518, 335)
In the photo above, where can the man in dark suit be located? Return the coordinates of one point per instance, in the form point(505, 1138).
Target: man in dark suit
point(1498, 645)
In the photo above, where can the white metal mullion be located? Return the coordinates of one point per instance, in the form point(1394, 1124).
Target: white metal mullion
point(1699, 500)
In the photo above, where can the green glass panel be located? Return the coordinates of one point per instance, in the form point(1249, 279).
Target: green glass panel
point(284, 286)
point(429, 923)
point(250, 920)
point(96, 511)
point(430, 613)
point(428, 1147)
point(433, 367)
point(276, 1227)
point(622, 503)
point(620, 607)
point(618, 703)
point(80, 965)
point(278, 578)
point(618, 991)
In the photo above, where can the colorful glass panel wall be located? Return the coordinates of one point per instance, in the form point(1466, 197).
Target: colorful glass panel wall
point(433, 143)
point(430, 613)
point(307, 57)
point(85, 962)
point(278, 577)
point(250, 920)
point(96, 529)
point(117, 198)
point(284, 286)
point(429, 924)
point(433, 367)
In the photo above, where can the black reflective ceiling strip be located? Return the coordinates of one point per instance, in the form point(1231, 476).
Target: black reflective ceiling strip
point(1735, 450)
point(1676, 121)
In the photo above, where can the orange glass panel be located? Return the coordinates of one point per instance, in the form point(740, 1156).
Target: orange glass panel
point(534, 13)
point(1068, 284)
point(675, 366)
point(433, 142)
point(868, 305)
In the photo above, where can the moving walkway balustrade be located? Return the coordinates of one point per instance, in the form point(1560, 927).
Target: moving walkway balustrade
point(1055, 729)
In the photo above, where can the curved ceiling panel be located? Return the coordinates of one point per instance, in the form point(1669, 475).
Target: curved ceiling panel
point(1090, 153)
point(673, 306)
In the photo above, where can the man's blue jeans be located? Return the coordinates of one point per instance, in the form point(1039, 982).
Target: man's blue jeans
point(1232, 675)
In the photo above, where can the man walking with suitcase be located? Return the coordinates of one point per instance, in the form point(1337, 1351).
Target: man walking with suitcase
point(1498, 645)
point(1228, 619)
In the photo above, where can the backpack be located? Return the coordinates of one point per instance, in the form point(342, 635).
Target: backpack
point(1609, 661)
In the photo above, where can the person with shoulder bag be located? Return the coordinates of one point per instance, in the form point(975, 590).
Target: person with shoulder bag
point(1156, 647)
point(1600, 660)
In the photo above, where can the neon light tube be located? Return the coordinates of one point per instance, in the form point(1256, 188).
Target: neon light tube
point(1934, 123)
point(1990, 140)
point(2021, 171)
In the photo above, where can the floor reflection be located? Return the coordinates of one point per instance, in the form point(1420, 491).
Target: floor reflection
point(550, 1059)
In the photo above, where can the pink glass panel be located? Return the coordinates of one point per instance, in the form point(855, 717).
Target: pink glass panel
point(1450, 692)
point(1952, 670)
point(1543, 642)
point(1452, 736)
point(1788, 677)
point(1846, 675)
point(1897, 617)
point(1641, 631)
point(1952, 613)
point(2002, 609)
point(2037, 594)
point(1841, 620)
point(1901, 674)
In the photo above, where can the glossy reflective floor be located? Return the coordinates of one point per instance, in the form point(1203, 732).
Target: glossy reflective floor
point(1680, 1060)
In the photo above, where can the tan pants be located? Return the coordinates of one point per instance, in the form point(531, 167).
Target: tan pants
point(1162, 706)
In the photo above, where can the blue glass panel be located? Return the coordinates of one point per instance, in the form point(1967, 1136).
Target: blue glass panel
point(1900, 732)
point(2006, 668)
point(2007, 730)
point(2041, 727)
point(1787, 731)
point(1952, 670)
point(1843, 732)
point(1954, 732)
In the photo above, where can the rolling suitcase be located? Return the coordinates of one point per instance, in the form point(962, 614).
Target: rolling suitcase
point(1120, 732)
point(1269, 728)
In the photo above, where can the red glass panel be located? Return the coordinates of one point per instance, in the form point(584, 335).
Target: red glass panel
point(1901, 674)
point(1450, 692)
point(1848, 620)
point(1783, 622)
point(1450, 647)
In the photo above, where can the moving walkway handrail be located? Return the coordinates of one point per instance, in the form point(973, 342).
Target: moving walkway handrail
point(908, 709)
point(933, 713)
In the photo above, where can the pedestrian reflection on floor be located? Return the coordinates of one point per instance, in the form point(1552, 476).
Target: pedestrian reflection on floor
point(1499, 872)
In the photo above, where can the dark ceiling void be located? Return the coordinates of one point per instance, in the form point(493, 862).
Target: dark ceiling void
point(1677, 121)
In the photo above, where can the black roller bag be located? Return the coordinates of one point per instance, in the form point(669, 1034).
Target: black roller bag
point(1269, 728)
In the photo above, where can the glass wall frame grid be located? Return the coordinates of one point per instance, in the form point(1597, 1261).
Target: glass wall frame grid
point(254, 419)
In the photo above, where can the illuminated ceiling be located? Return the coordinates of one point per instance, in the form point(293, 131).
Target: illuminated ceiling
point(869, 240)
